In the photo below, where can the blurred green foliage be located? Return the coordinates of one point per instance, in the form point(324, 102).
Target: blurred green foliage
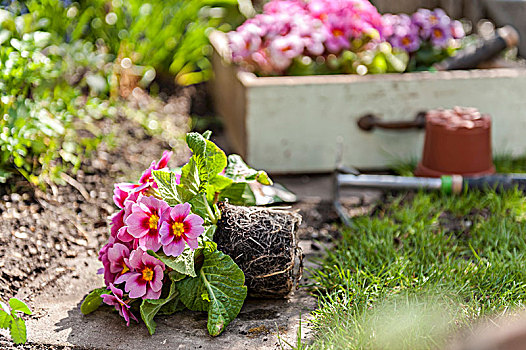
point(168, 35)
point(60, 61)
point(42, 112)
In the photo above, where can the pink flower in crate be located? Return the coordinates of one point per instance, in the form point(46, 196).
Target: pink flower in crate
point(120, 305)
point(338, 35)
point(244, 42)
point(440, 36)
point(143, 222)
point(284, 48)
point(280, 6)
point(178, 227)
point(145, 280)
point(457, 30)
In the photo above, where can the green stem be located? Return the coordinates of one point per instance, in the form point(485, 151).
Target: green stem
point(213, 218)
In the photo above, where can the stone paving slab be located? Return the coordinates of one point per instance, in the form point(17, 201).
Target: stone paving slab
point(58, 321)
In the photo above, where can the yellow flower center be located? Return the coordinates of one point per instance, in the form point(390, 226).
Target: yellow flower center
point(153, 222)
point(178, 229)
point(438, 33)
point(406, 41)
point(147, 274)
point(125, 268)
point(337, 32)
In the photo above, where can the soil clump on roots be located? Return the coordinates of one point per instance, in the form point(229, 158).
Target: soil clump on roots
point(264, 244)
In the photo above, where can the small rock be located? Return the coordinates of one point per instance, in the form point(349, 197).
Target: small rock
point(20, 235)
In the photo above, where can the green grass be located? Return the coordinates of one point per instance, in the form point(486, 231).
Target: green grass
point(421, 267)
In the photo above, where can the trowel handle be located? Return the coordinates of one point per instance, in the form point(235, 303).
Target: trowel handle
point(470, 58)
point(499, 182)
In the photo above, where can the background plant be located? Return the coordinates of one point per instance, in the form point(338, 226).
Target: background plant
point(168, 36)
point(42, 104)
point(10, 319)
point(427, 36)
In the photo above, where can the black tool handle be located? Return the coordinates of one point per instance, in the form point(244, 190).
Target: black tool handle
point(471, 57)
point(499, 182)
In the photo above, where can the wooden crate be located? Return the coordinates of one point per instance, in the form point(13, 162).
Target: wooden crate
point(295, 124)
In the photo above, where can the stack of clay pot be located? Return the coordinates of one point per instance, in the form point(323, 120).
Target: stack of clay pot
point(457, 142)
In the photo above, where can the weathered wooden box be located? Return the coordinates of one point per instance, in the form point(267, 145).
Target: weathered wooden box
point(296, 124)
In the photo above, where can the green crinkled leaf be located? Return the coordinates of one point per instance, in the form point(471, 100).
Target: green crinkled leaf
point(171, 307)
point(219, 289)
point(209, 158)
point(201, 207)
point(183, 263)
point(239, 193)
point(197, 143)
point(93, 300)
point(17, 330)
point(209, 232)
point(168, 187)
point(216, 185)
point(216, 159)
point(5, 319)
point(150, 307)
point(239, 171)
point(190, 180)
point(18, 305)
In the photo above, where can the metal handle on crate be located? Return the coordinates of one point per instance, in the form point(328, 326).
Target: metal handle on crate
point(369, 122)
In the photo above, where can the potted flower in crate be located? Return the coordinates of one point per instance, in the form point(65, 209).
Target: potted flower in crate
point(314, 63)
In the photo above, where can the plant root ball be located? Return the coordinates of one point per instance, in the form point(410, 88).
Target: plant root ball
point(264, 244)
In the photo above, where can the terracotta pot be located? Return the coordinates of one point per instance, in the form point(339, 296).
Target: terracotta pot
point(457, 142)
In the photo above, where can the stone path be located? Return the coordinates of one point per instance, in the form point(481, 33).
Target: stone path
point(58, 321)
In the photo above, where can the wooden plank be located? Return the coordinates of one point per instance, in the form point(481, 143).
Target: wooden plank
point(403, 6)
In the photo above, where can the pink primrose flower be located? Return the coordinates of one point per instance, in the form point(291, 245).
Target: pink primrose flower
point(147, 177)
point(120, 305)
point(143, 222)
point(118, 256)
point(106, 270)
point(179, 226)
point(145, 278)
point(122, 191)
